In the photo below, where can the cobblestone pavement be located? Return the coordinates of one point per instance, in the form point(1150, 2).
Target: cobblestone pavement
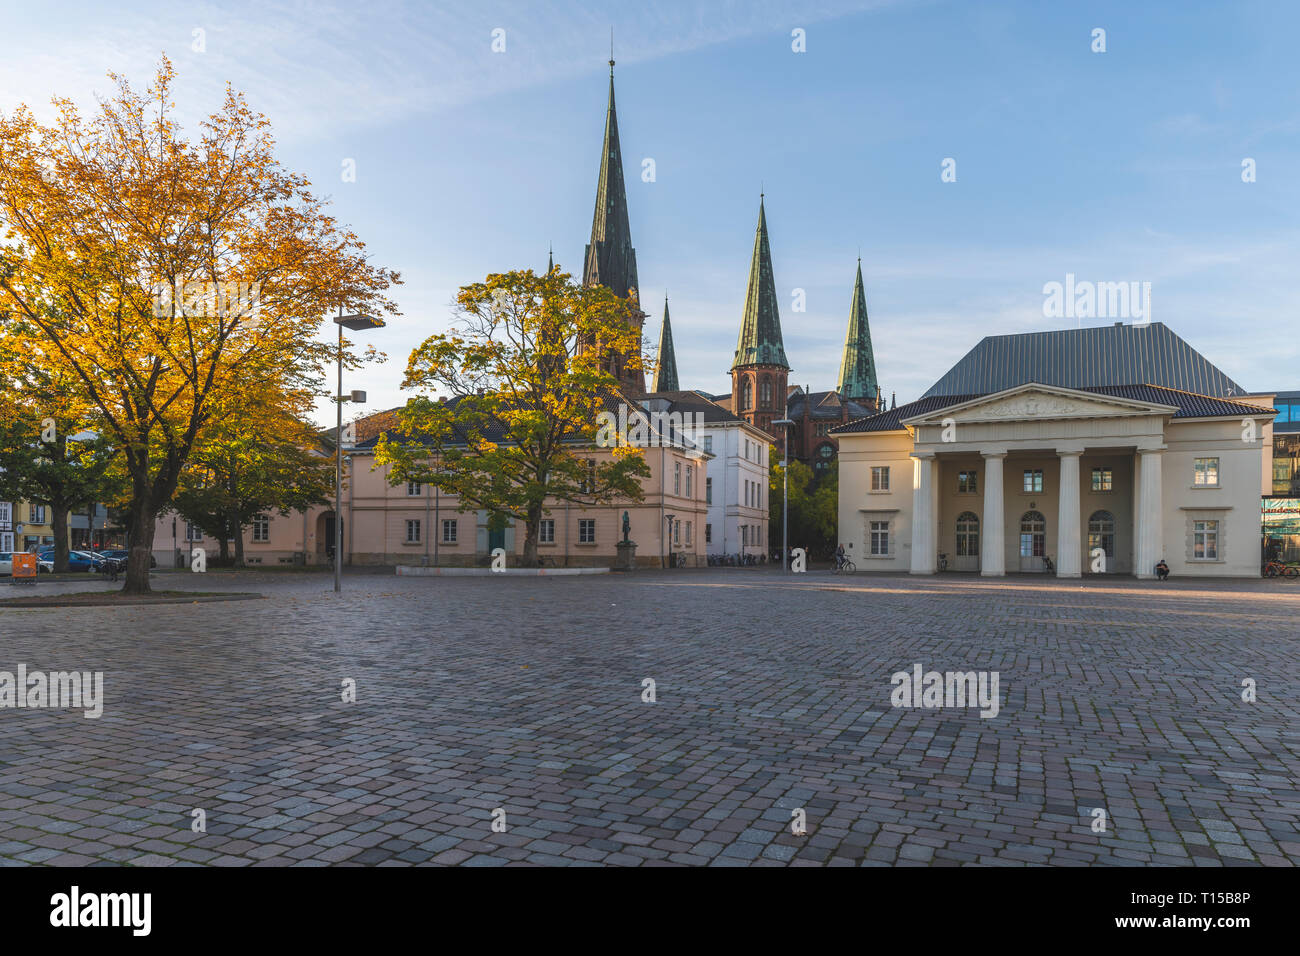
point(773, 695)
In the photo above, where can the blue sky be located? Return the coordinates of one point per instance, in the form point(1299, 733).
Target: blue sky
point(1116, 166)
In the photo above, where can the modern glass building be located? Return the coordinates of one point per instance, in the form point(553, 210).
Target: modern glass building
point(1281, 511)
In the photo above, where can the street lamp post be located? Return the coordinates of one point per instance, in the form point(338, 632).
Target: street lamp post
point(785, 494)
point(668, 536)
point(355, 323)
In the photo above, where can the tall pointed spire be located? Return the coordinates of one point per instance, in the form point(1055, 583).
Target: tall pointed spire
point(760, 328)
point(550, 260)
point(610, 258)
point(666, 374)
point(858, 367)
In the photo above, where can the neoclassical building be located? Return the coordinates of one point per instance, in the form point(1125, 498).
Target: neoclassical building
point(1101, 449)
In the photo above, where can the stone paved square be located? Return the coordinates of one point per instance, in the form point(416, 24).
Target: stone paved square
point(773, 696)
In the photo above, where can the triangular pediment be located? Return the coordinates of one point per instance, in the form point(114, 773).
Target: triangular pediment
point(1040, 402)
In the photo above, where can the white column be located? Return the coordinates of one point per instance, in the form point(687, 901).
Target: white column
point(1136, 548)
point(923, 555)
point(993, 548)
point(1067, 532)
point(1151, 544)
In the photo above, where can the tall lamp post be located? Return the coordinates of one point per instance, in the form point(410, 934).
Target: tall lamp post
point(355, 323)
point(668, 536)
point(785, 493)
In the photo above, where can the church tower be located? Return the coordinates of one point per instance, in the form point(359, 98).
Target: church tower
point(666, 372)
point(610, 258)
point(759, 370)
point(858, 367)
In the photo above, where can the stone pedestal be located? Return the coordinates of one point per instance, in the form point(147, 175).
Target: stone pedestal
point(626, 560)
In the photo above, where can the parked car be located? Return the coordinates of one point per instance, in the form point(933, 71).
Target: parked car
point(77, 560)
point(123, 556)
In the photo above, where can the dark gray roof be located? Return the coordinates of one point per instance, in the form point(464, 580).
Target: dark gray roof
point(694, 402)
point(825, 405)
point(1189, 405)
point(1079, 358)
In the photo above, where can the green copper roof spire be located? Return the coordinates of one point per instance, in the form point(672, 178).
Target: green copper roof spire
point(666, 373)
point(610, 258)
point(858, 367)
point(760, 328)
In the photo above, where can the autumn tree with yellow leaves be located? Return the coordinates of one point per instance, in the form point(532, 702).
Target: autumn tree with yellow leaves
point(169, 277)
point(522, 393)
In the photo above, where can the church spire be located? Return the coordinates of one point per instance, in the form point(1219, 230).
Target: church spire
point(666, 373)
point(611, 260)
point(760, 328)
point(858, 367)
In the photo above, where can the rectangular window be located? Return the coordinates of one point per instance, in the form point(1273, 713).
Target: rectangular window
point(1033, 480)
point(677, 532)
point(546, 531)
point(967, 483)
point(708, 491)
point(449, 530)
point(413, 489)
point(689, 471)
point(587, 484)
point(677, 477)
point(261, 528)
point(1205, 540)
point(880, 478)
point(413, 531)
point(1207, 473)
point(880, 537)
point(744, 536)
point(708, 444)
point(192, 533)
point(688, 534)
point(587, 531)
point(708, 534)
point(1102, 479)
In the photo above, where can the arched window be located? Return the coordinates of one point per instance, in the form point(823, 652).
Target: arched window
point(1033, 535)
point(765, 393)
point(747, 394)
point(968, 535)
point(1101, 533)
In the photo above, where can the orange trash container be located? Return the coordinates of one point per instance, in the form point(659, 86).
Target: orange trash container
point(24, 569)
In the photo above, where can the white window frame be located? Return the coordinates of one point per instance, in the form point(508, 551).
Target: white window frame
point(546, 531)
point(1201, 469)
point(879, 477)
point(586, 531)
point(413, 525)
point(449, 530)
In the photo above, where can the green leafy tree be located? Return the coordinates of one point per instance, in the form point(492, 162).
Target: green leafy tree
point(528, 368)
point(813, 506)
point(257, 461)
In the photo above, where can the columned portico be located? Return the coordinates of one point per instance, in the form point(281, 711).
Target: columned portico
point(1067, 535)
point(1148, 522)
point(923, 513)
point(993, 548)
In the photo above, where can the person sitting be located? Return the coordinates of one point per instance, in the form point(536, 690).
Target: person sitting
point(840, 557)
point(1162, 570)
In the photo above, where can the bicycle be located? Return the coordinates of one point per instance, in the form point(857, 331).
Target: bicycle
point(943, 561)
point(848, 567)
point(1274, 569)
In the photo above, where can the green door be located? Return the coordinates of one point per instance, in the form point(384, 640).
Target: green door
point(496, 532)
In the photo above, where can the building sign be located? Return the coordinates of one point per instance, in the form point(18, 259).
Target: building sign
point(1281, 516)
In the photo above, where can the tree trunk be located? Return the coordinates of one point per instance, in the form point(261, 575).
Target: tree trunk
point(140, 528)
point(223, 547)
point(60, 518)
point(238, 530)
point(531, 529)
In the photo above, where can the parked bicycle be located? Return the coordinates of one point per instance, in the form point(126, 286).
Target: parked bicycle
point(1048, 566)
point(1275, 569)
point(943, 561)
